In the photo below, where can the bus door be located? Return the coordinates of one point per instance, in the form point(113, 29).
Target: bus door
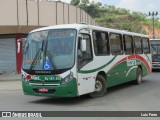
point(86, 83)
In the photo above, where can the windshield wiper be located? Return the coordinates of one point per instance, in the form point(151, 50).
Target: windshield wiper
point(36, 56)
point(35, 59)
point(51, 59)
point(26, 48)
point(154, 47)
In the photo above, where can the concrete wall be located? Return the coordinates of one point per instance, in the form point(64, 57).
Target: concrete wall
point(21, 16)
point(8, 12)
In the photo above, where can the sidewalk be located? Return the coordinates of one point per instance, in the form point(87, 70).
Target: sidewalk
point(10, 82)
point(10, 77)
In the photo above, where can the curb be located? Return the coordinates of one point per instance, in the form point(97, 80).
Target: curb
point(9, 80)
point(9, 90)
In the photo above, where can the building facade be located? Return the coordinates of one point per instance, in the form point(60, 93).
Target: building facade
point(18, 17)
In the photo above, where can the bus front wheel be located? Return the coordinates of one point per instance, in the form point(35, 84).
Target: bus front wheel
point(100, 87)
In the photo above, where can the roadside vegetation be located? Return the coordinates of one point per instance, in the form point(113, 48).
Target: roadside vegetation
point(118, 18)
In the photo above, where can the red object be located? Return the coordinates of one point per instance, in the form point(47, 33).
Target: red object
point(43, 90)
point(28, 77)
point(18, 52)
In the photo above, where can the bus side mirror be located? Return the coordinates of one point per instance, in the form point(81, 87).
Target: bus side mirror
point(83, 45)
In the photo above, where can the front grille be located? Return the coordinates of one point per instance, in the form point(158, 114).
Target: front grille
point(41, 82)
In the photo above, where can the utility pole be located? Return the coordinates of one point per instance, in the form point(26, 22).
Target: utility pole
point(153, 14)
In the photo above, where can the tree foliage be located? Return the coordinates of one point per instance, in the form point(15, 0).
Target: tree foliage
point(118, 18)
point(75, 2)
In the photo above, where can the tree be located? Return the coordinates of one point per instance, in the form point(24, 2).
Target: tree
point(75, 2)
point(117, 18)
point(84, 4)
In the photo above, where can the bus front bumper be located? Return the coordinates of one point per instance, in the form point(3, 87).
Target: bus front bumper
point(67, 90)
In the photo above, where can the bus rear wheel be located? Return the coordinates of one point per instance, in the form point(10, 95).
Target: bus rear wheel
point(138, 80)
point(100, 87)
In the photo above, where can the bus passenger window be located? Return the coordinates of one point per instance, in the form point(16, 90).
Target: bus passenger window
point(128, 45)
point(84, 57)
point(146, 48)
point(138, 45)
point(116, 45)
point(101, 43)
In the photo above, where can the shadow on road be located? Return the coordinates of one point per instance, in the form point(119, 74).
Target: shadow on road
point(125, 86)
point(63, 100)
point(85, 98)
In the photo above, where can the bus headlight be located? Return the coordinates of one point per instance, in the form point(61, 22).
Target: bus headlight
point(27, 78)
point(67, 78)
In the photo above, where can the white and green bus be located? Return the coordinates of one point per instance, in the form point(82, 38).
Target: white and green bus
point(76, 59)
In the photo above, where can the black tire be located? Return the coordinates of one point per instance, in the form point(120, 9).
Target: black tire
point(100, 87)
point(138, 80)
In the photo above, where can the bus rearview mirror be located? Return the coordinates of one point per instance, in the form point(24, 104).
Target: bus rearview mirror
point(83, 45)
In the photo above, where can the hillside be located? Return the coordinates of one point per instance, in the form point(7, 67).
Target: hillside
point(149, 32)
point(119, 18)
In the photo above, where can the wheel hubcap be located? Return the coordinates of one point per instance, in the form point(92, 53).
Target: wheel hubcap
point(139, 77)
point(98, 86)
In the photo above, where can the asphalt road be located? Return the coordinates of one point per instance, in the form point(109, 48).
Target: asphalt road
point(125, 97)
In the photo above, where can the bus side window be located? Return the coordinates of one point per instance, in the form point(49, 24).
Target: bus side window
point(84, 57)
point(146, 47)
point(105, 39)
point(116, 44)
point(101, 43)
point(138, 45)
point(128, 44)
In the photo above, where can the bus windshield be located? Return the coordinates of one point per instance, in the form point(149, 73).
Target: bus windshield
point(155, 47)
point(49, 49)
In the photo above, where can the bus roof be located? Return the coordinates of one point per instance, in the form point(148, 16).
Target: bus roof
point(83, 26)
point(155, 39)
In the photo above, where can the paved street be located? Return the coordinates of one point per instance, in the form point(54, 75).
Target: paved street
point(124, 97)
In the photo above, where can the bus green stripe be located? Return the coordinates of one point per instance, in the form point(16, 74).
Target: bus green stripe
point(96, 69)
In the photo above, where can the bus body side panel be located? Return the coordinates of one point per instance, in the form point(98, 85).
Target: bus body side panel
point(108, 64)
point(117, 73)
point(88, 73)
point(119, 69)
point(124, 70)
point(128, 65)
point(144, 60)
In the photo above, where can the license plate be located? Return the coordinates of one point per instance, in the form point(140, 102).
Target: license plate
point(43, 90)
